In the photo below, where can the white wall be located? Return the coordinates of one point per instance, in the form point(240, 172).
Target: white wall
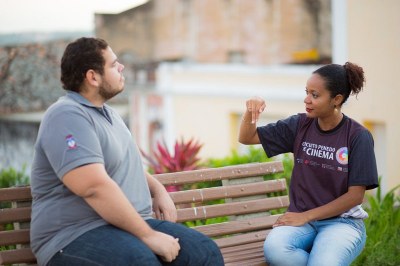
point(373, 41)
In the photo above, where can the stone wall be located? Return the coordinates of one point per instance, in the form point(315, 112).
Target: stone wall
point(30, 77)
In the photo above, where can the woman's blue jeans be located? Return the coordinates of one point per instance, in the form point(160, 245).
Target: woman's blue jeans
point(330, 242)
point(108, 245)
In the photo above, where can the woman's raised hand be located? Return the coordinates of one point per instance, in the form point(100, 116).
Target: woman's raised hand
point(255, 106)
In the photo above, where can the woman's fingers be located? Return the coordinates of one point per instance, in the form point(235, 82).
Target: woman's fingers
point(255, 106)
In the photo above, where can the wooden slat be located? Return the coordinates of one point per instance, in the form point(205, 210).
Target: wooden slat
point(245, 254)
point(22, 214)
point(14, 237)
point(233, 191)
point(246, 248)
point(234, 208)
point(221, 173)
point(243, 258)
point(257, 261)
point(15, 194)
point(246, 238)
point(238, 226)
point(23, 255)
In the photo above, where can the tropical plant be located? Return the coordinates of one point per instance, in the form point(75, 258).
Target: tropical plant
point(383, 230)
point(184, 158)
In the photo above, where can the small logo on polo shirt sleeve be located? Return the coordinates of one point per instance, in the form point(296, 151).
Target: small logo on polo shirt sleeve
point(71, 143)
point(342, 155)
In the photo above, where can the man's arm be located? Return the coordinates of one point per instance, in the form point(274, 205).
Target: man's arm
point(163, 205)
point(92, 183)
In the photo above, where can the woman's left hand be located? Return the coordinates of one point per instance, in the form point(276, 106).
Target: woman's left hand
point(292, 219)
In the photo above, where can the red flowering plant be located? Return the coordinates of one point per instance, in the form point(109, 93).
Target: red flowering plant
point(185, 158)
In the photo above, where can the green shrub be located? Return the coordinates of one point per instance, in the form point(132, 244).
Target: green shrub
point(10, 178)
point(383, 231)
point(254, 155)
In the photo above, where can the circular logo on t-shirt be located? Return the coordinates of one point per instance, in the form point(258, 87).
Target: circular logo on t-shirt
point(342, 155)
point(71, 143)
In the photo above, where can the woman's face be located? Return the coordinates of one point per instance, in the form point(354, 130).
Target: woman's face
point(319, 103)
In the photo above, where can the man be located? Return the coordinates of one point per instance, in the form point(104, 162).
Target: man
point(92, 200)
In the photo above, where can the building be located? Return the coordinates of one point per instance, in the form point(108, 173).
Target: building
point(161, 42)
point(256, 32)
point(195, 62)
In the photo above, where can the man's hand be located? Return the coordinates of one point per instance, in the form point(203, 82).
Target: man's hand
point(163, 245)
point(164, 207)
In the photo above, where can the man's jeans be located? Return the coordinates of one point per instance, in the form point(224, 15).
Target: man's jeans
point(336, 241)
point(108, 245)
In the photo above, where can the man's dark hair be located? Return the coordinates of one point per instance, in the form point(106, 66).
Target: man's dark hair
point(80, 56)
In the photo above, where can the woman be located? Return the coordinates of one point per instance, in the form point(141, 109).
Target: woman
point(334, 165)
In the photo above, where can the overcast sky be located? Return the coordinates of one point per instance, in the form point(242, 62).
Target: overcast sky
point(56, 15)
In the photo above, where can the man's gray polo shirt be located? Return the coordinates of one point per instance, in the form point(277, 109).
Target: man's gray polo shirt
point(73, 133)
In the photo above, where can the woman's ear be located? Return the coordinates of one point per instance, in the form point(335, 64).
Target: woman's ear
point(338, 100)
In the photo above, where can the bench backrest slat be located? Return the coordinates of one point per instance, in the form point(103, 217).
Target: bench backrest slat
point(238, 240)
point(248, 246)
point(15, 194)
point(234, 208)
point(23, 255)
point(233, 227)
point(22, 214)
point(13, 237)
point(233, 191)
point(221, 173)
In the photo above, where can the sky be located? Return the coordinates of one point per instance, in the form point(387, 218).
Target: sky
point(56, 15)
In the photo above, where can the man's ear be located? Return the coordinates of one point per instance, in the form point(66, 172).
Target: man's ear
point(92, 78)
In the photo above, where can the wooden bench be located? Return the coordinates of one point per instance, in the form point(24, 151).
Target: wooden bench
point(246, 206)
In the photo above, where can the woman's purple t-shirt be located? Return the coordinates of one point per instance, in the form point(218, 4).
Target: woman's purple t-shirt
point(326, 163)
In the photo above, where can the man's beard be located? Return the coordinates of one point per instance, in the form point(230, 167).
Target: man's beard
point(106, 91)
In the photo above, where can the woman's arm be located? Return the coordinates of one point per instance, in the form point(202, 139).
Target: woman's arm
point(353, 197)
point(248, 129)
